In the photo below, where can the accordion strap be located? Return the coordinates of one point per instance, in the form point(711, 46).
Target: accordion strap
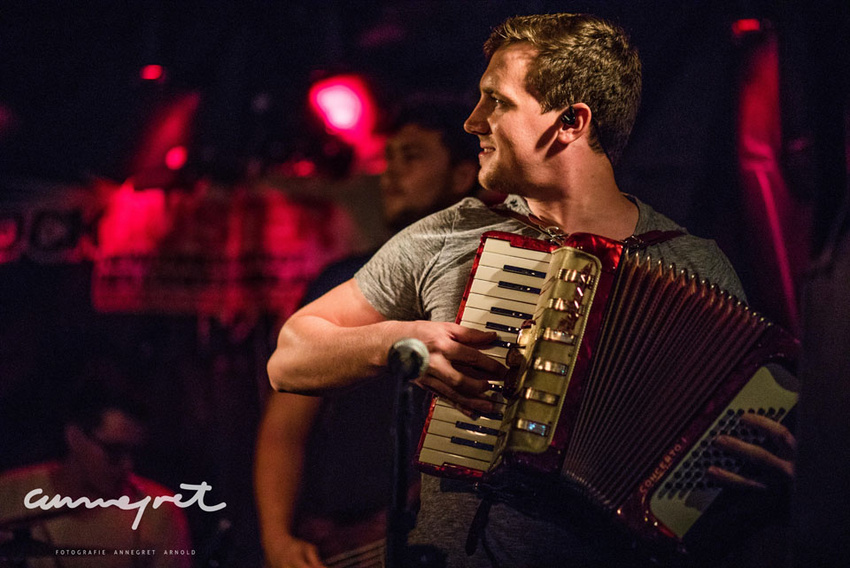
point(650, 238)
point(556, 235)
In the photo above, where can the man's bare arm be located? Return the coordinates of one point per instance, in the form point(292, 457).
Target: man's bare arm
point(278, 465)
point(340, 340)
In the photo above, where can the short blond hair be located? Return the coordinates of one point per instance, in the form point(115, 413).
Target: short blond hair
point(580, 58)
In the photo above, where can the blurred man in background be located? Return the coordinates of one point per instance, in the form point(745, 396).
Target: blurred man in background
point(323, 468)
point(104, 431)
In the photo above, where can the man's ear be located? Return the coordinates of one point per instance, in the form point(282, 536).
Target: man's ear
point(574, 122)
point(464, 177)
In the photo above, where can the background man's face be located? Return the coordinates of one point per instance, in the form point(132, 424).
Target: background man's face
point(106, 453)
point(418, 177)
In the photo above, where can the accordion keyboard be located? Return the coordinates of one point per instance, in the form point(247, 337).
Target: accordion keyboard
point(503, 294)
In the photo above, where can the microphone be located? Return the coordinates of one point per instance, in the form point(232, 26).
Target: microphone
point(407, 359)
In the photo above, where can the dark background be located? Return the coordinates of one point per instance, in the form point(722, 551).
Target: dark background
point(72, 106)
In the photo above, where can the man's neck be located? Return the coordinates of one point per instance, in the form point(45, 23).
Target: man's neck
point(588, 201)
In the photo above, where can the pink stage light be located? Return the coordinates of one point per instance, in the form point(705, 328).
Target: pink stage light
point(175, 158)
point(345, 106)
point(152, 72)
point(340, 106)
point(745, 26)
point(780, 222)
point(166, 137)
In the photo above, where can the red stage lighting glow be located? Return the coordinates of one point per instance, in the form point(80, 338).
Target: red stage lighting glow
point(745, 26)
point(303, 168)
point(152, 72)
point(345, 105)
point(341, 106)
point(164, 143)
point(175, 158)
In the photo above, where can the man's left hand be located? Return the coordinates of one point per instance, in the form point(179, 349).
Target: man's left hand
point(777, 463)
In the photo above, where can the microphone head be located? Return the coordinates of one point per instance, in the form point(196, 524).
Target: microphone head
point(408, 358)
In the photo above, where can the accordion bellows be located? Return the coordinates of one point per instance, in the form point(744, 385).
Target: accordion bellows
point(624, 373)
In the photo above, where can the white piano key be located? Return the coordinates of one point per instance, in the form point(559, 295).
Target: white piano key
point(448, 429)
point(497, 275)
point(445, 444)
point(513, 264)
point(498, 353)
point(503, 335)
point(492, 289)
point(499, 246)
point(482, 317)
point(443, 411)
point(484, 303)
point(440, 458)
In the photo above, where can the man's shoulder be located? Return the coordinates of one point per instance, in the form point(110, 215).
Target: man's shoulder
point(149, 487)
point(16, 483)
point(699, 256)
point(468, 214)
point(473, 214)
point(37, 473)
point(652, 220)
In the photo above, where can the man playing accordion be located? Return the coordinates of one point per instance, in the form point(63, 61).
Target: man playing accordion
point(557, 103)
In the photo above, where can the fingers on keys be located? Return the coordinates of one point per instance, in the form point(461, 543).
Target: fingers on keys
point(776, 463)
point(468, 404)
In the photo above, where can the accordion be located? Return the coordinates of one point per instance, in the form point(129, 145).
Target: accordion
point(624, 370)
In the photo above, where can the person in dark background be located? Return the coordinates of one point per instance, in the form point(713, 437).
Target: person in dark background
point(104, 431)
point(558, 101)
point(323, 465)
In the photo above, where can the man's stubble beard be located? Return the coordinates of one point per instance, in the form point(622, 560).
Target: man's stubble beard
point(495, 180)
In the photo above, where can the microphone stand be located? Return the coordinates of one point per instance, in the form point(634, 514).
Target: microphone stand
point(407, 360)
point(401, 519)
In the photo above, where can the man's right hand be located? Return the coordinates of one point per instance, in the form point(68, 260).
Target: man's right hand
point(291, 552)
point(457, 370)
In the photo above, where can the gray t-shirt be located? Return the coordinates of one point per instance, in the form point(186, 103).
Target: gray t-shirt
point(421, 274)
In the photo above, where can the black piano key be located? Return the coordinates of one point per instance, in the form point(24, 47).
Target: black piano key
point(472, 444)
point(518, 287)
point(510, 313)
point(476, 428)
point(501, 327)
point(523, 271)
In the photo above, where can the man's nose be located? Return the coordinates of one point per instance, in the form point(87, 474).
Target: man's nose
point(387, 177)
point(476, 123)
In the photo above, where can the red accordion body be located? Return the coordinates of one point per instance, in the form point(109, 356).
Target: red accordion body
point(628, 370)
